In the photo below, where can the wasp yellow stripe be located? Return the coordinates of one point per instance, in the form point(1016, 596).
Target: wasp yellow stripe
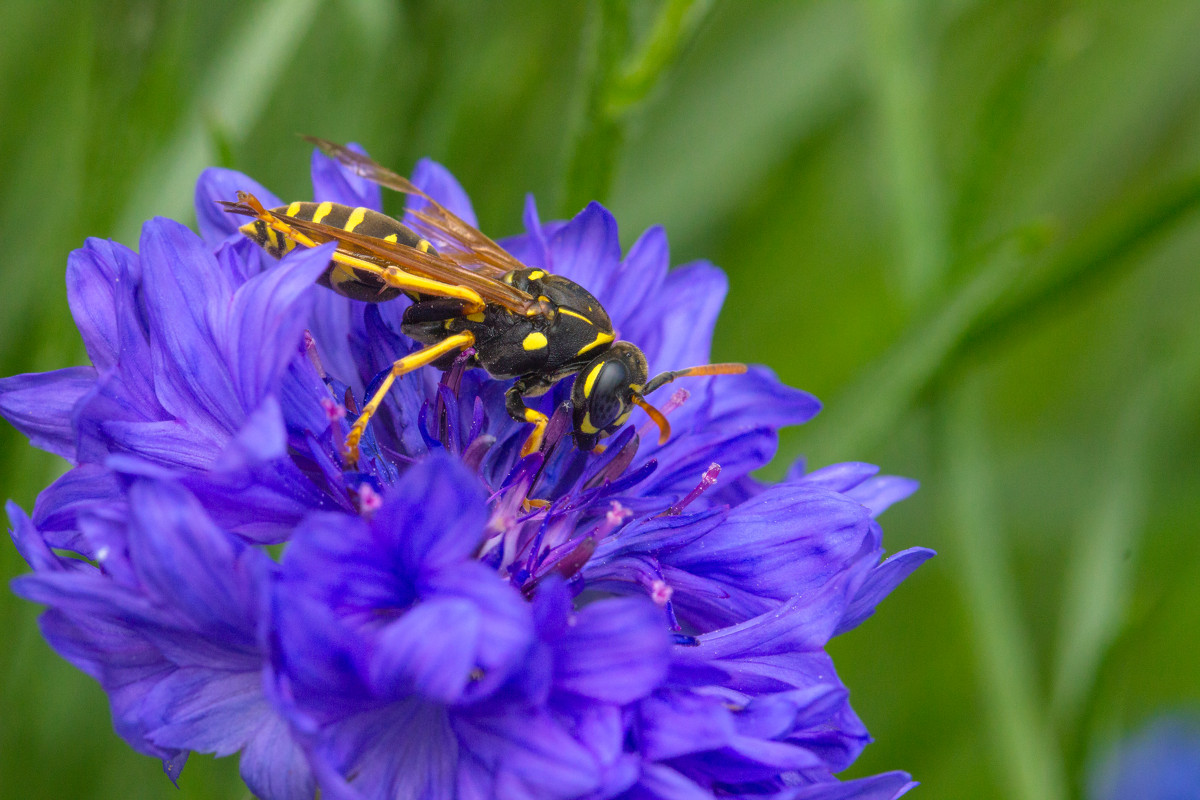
point(575, 314)
point(601, 338)
point(293, 209)
point(391, 237)
point(356, 218)
point(535, 341)
point(322, 211)
point(424, 246)
point(590, 380)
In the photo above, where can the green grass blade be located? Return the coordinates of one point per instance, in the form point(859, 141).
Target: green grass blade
point(1030, 761)
point(244, 74)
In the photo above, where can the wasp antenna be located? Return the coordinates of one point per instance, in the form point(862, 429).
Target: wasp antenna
point(664, 427)
point(704, 369)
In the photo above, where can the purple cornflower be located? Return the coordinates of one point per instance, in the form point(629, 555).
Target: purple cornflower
point(448, 619)
point(1159, 762)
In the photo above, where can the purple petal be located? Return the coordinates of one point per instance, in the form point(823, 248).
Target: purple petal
point(836, 477)
point(339, 184)
point(615, 651)
point(40, 405)
point(273, 766)
point(187, 298)
point(638, 279)
point(437, 182)
point(680, 335)
point(206, 710)
point(586, 250)
point(185, 561)
point(215, 183)
point(89, 488)
point(506, 630)
point(267, 320)
point(537, 250)
point(92, 275)
point(525, 755)
point(879, 494)
point(887, 786)
point(429, 650)
point(660, 782)
point(413, 523)
point(879, 584)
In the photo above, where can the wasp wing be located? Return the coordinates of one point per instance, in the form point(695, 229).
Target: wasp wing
point(458, 240)
point(409, 259)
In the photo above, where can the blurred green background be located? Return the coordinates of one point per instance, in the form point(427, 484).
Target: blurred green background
point(971, 228)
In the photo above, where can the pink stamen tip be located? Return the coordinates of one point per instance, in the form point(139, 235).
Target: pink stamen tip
point(617, 514)
point(333, 411)
point(678, 398)
point(660, 592)
point(369, 500)
point(706, 480)
point(309, 342)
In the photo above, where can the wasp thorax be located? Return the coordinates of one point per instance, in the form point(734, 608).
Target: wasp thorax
point(604, 391)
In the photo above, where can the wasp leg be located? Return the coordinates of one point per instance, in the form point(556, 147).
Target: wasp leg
point(459, 341)
point(407, 282)
point(514, 403)
point(392, 276)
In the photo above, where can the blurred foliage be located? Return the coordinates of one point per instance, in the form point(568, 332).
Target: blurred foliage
point(969, 226)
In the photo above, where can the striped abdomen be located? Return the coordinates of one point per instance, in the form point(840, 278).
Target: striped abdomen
point(357, 284)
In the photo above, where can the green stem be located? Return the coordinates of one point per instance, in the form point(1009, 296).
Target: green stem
point(1032, 763)
point(676, 24)
point(900, 81)
point(615, 85)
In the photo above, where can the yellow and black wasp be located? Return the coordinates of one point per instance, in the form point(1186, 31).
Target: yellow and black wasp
point(468, 292)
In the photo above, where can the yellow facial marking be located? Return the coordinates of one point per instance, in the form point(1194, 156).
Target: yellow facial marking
point(475, 317)
point(534, 341)
point(356, 218)
point(576, 315)
point(537, 275)
point(619, 421)
point(601, 338)
point(590, 380)
point(293, 209)
point(586, 426)
point(322, 211)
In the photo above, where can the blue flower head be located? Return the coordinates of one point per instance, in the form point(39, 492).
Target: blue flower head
point(1159, 762)
point(448, 618)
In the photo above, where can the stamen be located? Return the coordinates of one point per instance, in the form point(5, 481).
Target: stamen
point(369, 500)
point(706, 480)
point(660, 592)
point(333, 411)
point(310, 352)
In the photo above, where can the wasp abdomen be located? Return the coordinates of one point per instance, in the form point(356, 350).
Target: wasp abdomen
point(345, 280)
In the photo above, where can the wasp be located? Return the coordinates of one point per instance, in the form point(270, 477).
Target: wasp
point(469, 294)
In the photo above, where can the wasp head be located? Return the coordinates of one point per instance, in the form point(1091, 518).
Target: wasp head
point(606, 391)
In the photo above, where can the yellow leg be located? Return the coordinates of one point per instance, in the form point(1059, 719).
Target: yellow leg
point(534, 442)
point(405, 281)
point(459, 341)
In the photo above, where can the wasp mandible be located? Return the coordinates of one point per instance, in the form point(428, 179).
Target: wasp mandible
point(523, 323)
